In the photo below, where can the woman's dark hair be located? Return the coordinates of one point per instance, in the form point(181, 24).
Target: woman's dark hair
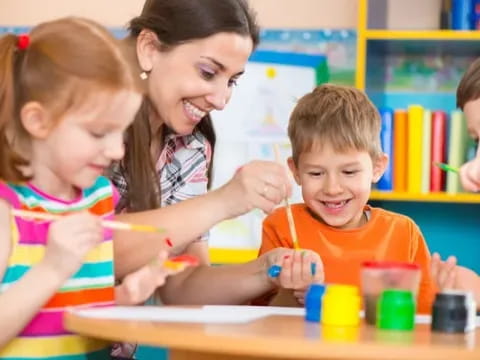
point(176, 22)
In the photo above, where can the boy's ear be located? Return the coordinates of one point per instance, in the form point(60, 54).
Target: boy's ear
point(36, 120)
point(379, 167)
point(293, 169)
point(147, 48)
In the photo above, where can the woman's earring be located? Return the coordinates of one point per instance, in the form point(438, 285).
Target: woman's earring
point(144, 75)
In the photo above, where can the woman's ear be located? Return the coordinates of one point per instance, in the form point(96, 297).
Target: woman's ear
point(36, 120)
point(147, 48)
point(379, 167)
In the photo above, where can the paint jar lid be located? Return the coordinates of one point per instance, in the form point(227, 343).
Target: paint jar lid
point(389, 265)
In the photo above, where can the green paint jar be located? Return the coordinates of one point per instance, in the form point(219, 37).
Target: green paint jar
point(396, 310)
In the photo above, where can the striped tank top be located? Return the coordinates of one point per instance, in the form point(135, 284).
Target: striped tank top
point(92, 285)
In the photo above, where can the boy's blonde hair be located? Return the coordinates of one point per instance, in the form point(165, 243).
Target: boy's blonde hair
point(340, 116)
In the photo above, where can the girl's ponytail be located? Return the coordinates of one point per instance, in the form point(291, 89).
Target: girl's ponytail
point(10, 161)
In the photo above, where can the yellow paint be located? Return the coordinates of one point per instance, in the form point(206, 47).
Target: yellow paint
point(271, 72)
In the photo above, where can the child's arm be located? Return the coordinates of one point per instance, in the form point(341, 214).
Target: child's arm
point(448, 275)
point(241, 194)
point(23, 300)
point(137, 287)
point(205, 284)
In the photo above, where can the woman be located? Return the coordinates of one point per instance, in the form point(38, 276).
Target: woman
point(190, 55)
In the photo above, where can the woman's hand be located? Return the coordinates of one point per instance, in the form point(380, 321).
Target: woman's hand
point(256, 185)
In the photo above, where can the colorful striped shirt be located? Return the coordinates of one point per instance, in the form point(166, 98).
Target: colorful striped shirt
point(92, 285)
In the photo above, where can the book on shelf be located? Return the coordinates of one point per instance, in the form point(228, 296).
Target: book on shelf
point(415, 140)
point(386, 138)
point(438, 150)
point(415, 137)
point(399, 160)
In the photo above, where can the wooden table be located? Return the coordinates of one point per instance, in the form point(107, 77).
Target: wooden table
point(281, 337)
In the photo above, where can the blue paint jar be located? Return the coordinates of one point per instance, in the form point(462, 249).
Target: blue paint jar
point(313, 302)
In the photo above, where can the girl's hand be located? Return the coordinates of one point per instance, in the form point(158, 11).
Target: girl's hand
point(470, 175)
point(444, 273)
point(449, 276)
point(258, 184)
point(70, 239)
point(138, 286)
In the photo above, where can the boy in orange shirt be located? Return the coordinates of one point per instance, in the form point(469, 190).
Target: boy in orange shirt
point(336, 156)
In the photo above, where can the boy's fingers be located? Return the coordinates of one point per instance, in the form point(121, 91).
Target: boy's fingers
point(307, 276)
point(286, 273)
point(319, 276)
point(297, 268)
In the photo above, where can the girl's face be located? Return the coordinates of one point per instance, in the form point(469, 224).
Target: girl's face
point(190, 80)
point(73, 151)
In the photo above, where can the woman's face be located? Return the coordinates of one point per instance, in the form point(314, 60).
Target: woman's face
point(190, 80)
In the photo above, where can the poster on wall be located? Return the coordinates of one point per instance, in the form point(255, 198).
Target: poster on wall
point(254, 121)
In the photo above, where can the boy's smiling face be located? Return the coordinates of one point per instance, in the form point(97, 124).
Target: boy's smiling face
point(336, 186)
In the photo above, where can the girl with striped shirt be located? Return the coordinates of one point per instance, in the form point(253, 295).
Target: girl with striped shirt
point(67, 93)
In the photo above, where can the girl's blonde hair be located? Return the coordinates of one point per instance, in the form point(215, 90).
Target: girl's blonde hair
point(67, 61)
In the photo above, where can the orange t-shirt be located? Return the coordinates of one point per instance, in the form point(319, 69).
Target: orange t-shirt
point(386, 236)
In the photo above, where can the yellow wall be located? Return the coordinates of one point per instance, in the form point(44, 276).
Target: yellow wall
point(272, 13)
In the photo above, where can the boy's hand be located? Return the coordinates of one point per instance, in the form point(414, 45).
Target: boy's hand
point(296, 270)
point(138, 286)
point(470, 175)
point(70, 239)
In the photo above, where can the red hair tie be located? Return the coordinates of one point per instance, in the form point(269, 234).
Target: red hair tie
point(23, 42)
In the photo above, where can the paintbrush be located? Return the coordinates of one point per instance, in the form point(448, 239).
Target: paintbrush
point(117, 225)
point(446, 167)
point(288, 209)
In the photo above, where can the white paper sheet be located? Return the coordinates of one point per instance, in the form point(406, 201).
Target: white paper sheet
point(257, 310)
point(166, 314)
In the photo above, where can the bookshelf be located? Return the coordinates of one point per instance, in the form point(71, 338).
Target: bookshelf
point(440, 197)
point(449, 222)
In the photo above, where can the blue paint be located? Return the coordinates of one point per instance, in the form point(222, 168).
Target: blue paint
point(274, 271)
point(313, 302)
